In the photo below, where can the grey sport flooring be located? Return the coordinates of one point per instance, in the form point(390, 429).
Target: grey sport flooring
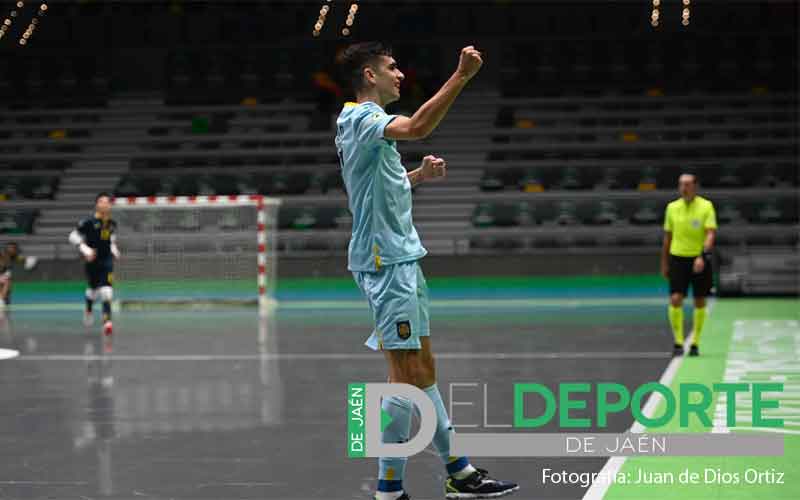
point(226, 405)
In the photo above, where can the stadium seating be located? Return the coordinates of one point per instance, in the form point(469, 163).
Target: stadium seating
point(17, 222)
point(576, 142)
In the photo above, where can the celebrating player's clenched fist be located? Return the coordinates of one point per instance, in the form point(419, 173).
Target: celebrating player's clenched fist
point(470, 62)
point(433, 167)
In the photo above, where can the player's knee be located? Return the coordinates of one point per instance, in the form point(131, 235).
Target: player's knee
point(91, 294)
point(676, 300)
point(700, 302)
point(106, 294)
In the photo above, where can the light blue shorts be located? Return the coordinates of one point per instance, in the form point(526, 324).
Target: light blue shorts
point(398, 298)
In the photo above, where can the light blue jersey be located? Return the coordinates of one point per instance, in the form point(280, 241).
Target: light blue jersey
point(378, 190)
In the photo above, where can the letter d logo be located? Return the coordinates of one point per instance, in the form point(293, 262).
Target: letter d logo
point(427, 428)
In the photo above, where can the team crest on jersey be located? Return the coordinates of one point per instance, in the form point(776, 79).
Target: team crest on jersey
point(696, 223)
point(376, 116)
point(404, 329)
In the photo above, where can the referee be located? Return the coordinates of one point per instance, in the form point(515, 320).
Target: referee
point(690, 226)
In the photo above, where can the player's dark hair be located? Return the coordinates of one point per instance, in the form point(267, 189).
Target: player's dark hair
point(100, 195)
point(12, 243)
point(358, 56)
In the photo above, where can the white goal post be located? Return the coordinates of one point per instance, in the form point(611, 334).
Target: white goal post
point(196, 249)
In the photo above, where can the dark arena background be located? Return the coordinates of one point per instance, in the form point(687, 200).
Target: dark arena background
point(237, 325)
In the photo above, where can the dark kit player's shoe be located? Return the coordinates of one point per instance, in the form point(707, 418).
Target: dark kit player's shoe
point(108, 328)
point(677, 350)
point(478, 485)
point(694, 350)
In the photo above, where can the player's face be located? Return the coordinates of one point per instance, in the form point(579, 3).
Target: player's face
point(387, 79)
point(687, 186)
point(103, 206)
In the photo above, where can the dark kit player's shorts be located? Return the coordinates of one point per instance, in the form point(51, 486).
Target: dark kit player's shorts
point(681, 274)
point(99, 274)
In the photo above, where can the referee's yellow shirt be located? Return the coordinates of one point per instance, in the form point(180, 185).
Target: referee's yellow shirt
point(688, 223)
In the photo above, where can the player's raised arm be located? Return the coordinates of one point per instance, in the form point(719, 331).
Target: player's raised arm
point(430, 114)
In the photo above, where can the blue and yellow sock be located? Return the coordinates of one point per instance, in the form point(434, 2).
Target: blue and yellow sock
point(458, 467)
point(391, 470)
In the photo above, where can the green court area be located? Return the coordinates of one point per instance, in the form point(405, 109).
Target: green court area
point(746, 341)
point(340, 291)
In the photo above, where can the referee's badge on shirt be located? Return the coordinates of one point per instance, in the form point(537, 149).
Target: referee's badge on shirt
point(696, 223)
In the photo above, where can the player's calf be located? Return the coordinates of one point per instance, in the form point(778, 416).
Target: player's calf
point(107, 295)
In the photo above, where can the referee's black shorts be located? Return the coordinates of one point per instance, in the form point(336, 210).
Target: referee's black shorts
point(681, 274)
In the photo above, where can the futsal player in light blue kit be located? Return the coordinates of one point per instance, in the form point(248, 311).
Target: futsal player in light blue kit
point(385, 249)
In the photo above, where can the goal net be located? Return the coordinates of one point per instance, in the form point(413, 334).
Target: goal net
point(195, 250)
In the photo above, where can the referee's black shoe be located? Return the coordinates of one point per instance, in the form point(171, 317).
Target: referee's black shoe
point(694, 350)
point(677, 350)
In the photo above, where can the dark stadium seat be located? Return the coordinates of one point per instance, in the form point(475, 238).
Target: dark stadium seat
point(567, 214)
point(600, 213)
point(17, 221)
point(224, 184)
point(37, 187)
point(298, 218)
point(330, 181)
point(507, 214)
point(728, 212)
point(499, 214)
point(647, 212)
point(491, 181)
point(293, 183)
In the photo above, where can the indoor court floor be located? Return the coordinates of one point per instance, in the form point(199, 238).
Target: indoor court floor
point(224, 404)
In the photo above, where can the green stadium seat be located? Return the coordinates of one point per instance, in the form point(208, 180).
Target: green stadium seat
point(331, 217)
point(482, 215)
point(298, 218)
point(609, 178)
point(224, 184)
point(571, 179)
point(731, 176)
point(567, 214)
point(603, 213)
point(37, 187)
point(647, 213)
point(507, 214)
point(329, 181)
point(729, 213)
point(187, 185)
point(17, 221)
point(648, 179)
point(491, 181)
point(126, 187)
point(532, 181)
point(291, 183)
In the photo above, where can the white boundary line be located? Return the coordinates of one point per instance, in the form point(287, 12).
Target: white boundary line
point(305, 305)
point(598, 489)
point(343, 356)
